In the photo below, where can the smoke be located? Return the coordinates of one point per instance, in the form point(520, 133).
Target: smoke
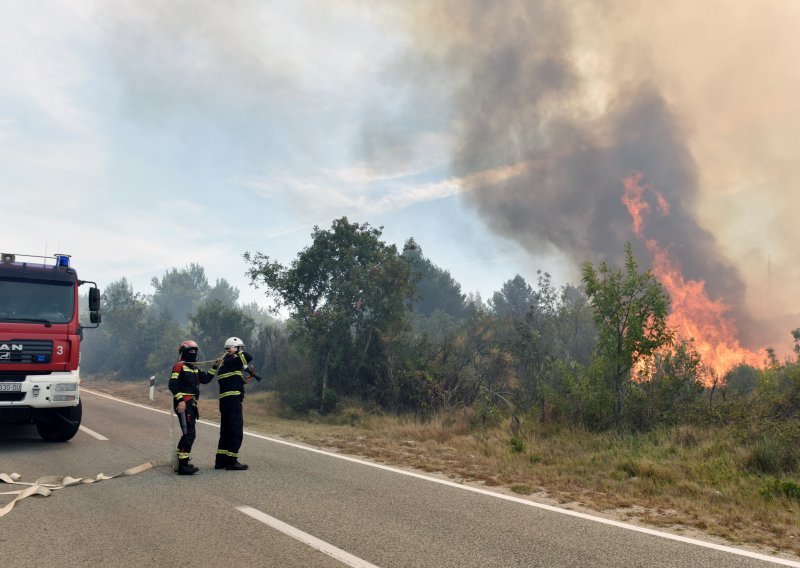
point(561, 98)
point(580, 95)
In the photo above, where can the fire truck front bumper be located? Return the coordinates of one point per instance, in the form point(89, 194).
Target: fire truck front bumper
point(56, 390)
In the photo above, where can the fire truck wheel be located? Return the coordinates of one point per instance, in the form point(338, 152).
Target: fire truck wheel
point(60, 424)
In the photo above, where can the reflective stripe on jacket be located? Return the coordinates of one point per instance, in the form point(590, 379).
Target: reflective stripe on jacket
point(230, 373)
point(184, 382)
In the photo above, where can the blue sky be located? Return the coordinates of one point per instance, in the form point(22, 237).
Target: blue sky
point(139, 137)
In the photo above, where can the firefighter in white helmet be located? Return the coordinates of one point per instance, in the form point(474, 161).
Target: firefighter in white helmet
point(233, 371)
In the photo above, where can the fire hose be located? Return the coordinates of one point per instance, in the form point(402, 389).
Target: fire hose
point(219, 360)
point(173, 460)
point(44, 486)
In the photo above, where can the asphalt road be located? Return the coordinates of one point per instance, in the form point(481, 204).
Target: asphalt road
point(361, 515)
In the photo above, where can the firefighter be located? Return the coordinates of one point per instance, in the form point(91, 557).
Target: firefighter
point(230, 373)
point(184, 384)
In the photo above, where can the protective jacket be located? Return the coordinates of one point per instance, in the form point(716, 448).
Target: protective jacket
point(231, 392)
point(230, 374)
point(185, 380)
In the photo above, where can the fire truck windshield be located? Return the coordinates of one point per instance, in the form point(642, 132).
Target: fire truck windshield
point(36, 301)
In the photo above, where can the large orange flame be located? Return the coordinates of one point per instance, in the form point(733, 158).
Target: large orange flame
point(693, 315)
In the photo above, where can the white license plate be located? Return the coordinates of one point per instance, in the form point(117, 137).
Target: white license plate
point(10, 387)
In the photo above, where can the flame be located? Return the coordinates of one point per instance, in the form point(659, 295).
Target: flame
point(693, 315)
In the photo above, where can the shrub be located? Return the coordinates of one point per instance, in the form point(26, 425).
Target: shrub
point(517, 445)
point(299, 401)
point(775, 487)
point(487, 415)
point(629, 467)
point(771, 456)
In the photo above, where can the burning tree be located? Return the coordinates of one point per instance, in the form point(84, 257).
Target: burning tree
point(694, 315)
point(630, 311)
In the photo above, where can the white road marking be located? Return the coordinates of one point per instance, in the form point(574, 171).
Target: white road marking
point(305, 538)
point(93, 434)
point(124, 401)
point(551, 508)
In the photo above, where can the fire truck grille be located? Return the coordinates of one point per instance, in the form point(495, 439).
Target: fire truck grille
point(23, 351)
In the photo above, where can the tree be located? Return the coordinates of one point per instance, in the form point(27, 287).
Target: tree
point(179, 292)
point(514, 299)
point(531, 317)
point(741, 380)
point(162, 335)
point(436, 289)
point(213, 322)
point(576, 327)
point(223, 292)
point(348, 294)
point(117, 346)
point(674, 385)
point(630, 310)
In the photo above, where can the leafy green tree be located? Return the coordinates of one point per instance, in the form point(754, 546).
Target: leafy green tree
point(180, 291)
point(514, 299)
point(674, 386)
point(466, 363)
point(576, 329)
point(630, 312)
point(532, 317)
point(259, 314)
point(162, 335)
point(550, 335)
point(213, 322)
point(347, 294)
point(437, 327)
point(116, 346)
point(741, 380)
point(436, 289)
point(475, 303)
point(283, 365)
point(223, 292)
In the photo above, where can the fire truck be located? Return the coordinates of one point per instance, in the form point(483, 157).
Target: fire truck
point(40, 337)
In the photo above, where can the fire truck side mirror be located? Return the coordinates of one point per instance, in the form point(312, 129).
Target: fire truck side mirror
point(94, 317)
point(94, 300)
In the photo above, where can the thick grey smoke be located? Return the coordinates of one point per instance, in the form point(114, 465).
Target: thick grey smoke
point(522, 94)
point(545, 105)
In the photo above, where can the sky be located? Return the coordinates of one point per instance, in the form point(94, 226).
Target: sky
point(144, 135)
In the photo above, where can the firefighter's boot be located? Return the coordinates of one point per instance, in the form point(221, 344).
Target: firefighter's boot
point(236, 466)
point(186, 468)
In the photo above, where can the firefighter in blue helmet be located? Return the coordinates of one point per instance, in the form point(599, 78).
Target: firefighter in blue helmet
point(184, 384)
point(233, 372)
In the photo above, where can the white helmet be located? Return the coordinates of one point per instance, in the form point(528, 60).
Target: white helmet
point(233, 342)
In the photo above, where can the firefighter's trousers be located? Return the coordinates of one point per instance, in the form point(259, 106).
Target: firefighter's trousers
point(188, 422)
point(231, 429)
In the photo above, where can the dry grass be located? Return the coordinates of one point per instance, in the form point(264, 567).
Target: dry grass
point(685, 479)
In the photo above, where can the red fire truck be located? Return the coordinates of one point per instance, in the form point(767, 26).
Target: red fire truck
point(40, 336)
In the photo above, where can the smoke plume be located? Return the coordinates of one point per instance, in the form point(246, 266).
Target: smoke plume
point(578, 96)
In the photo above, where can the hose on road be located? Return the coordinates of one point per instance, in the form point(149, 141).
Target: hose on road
point(44, 486)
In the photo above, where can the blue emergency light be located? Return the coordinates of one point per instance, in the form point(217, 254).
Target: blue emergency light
point(62, 260)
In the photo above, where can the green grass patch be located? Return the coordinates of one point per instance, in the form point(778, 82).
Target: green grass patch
point(775, 487)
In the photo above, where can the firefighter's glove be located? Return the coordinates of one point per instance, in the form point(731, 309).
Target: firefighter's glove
point(181, 406)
